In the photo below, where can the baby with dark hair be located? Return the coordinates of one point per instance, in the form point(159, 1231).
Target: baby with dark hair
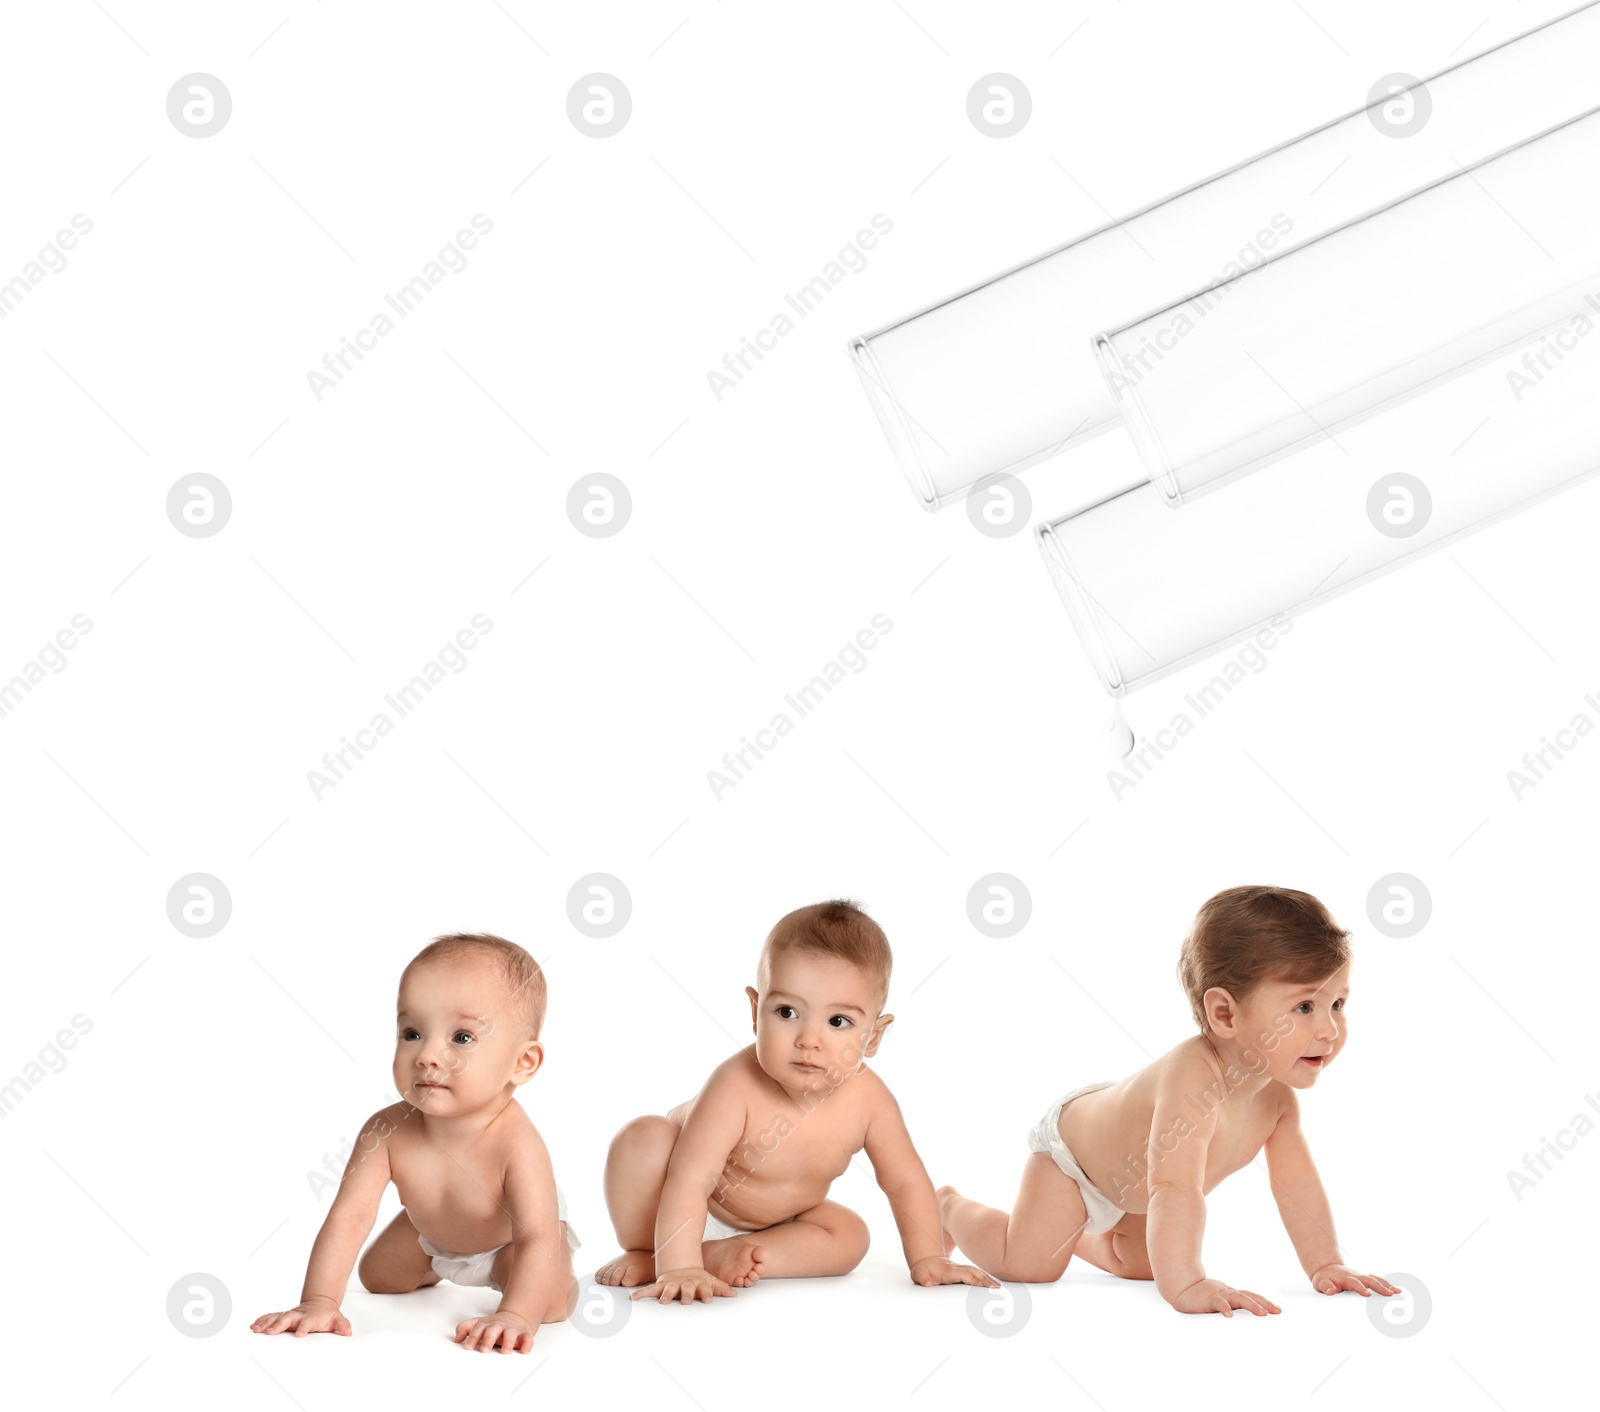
point(1119, 1171)
point(732, 1186)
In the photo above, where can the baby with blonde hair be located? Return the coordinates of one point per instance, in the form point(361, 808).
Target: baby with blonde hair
point(469, 1165)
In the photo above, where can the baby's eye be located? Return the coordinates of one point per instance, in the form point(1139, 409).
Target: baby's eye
point(462, 1037)
point(786, 1012)
point(1304, 1007)
point(409, 1034)
point(1338, 1005)
point(840, 1022)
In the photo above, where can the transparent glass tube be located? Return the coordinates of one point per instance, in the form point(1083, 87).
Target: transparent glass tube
point(1149, 591)
point(1000, 376)
point(1314, 339)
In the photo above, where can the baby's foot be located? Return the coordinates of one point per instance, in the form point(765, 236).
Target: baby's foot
point(734, 1261)
point(944, 1194)
point(632, 1267)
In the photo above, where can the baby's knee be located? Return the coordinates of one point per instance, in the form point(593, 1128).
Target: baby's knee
point(1031, 1269)
point(642, 1139)
point(1132, 1257)
point(376, 1279)
point(562, 1304)
point(852, 1235)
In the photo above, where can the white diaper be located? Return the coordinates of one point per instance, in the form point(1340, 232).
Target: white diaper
point(1046, 1137)
point(479, 1269)
point(716, 1230)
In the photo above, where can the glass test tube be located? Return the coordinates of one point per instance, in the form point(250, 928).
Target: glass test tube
point(1000, 376)
point(1150, 592)
point(1219, 384)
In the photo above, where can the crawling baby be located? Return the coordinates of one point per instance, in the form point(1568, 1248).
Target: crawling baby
point(470, 1167)
point(732, 1186)
point(1119, 1171)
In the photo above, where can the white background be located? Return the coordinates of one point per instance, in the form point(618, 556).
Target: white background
point(768, 528)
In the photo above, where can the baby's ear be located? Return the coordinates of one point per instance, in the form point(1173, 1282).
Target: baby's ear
point(879, 1026)
point(1221, 1010)
point(755, 1004)
point(528, 1062)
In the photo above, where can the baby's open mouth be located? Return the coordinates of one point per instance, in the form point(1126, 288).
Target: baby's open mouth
point(1315, 1060)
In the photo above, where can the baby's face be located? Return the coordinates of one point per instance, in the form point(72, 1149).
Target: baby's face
point(460, 1042)
point(817, 1020)
point(1308, 1020)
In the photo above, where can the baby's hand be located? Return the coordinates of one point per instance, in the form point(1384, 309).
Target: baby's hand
point(936, 1270)
point(310, 1316)
point(684, 1285)
point(1330, 1279)
point(510, 1332)
point(1214, 1297)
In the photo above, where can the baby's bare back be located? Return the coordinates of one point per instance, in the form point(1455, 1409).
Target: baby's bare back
point(791, 1150)
point(455, 1193)
point(1110, 1131)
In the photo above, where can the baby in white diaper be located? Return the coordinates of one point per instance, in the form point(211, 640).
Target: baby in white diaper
point(732, 1186)
point(469, 1165)
point(1119, 1171)
point(480, 1269)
